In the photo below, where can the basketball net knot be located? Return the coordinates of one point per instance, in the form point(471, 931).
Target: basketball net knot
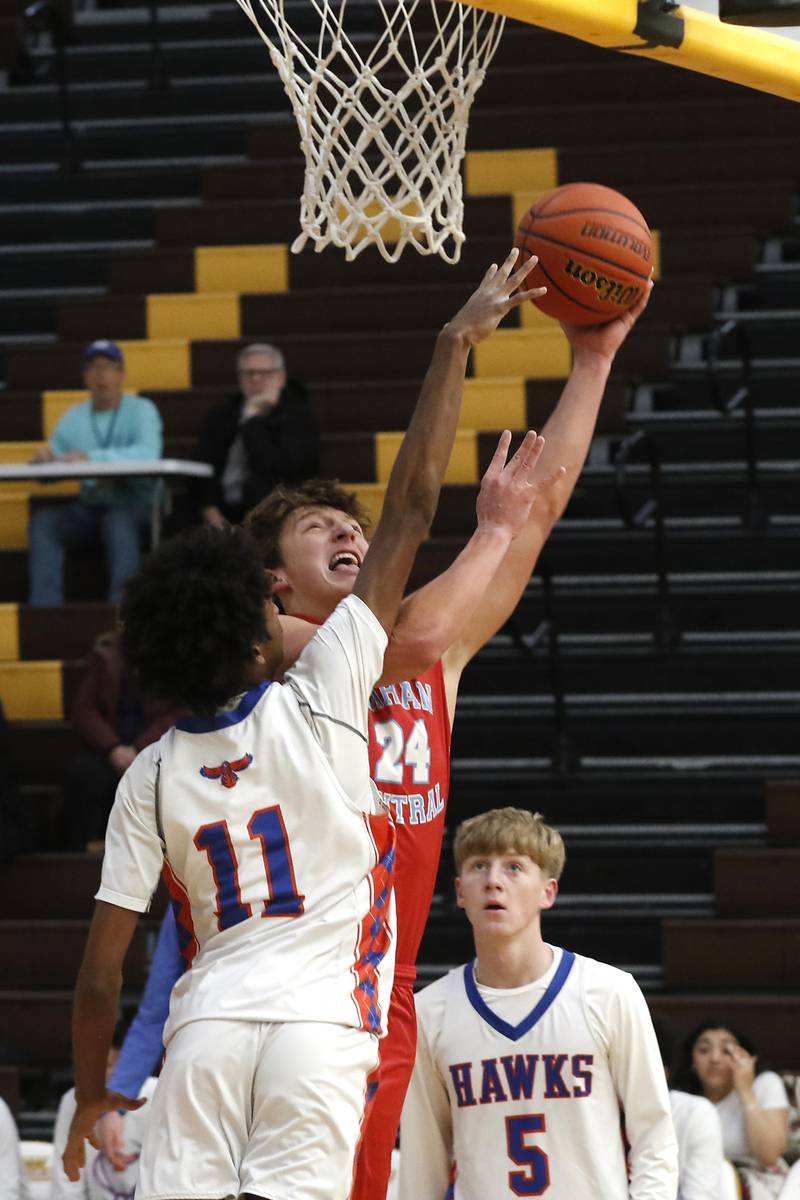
point(383, 119)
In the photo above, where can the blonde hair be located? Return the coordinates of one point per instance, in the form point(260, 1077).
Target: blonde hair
point(511, 831)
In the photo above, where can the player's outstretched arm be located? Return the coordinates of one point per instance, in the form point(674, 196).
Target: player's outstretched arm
point(568, 435)
point(458, 611)
point(93, 1018)
point(416, 479)
point(432, 617)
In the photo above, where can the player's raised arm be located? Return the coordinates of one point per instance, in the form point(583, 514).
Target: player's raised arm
point(416, 479)
point(456, 613)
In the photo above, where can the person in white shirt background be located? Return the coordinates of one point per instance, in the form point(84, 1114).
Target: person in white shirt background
point(12, 1177)
point(752, 1106)
point(531, 1061)
point(701, 1163)
point(99, 1179)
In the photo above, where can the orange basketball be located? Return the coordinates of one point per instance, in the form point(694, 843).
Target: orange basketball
point(595, 252)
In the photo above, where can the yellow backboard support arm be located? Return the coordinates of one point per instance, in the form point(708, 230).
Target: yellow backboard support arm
point(684, 36)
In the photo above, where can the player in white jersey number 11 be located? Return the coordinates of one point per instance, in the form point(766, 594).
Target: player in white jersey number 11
point(532, 1062)
point(276, 848)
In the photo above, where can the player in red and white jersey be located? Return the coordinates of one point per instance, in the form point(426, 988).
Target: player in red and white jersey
point(275, 844)
point(313, 541)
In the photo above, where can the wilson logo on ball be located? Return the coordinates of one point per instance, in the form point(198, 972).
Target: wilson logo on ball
point(611, 290)
point(617, 237)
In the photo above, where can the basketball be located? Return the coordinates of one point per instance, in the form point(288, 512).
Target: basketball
point(595, 252)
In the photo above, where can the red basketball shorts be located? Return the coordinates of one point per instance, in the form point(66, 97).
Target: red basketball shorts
point(397, 1051)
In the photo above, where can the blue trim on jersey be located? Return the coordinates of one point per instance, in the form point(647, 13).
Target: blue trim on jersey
point(224, 719)
point(515, 1032)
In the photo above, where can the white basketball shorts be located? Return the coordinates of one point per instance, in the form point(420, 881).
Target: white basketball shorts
point(270, 1109)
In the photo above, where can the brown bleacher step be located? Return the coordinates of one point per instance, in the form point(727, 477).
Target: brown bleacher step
point(783, 812)
point(755, 883)
point(132, 272)
point(769, 1020)
point(9, 1087)
point(576, 125)
point(757, 954)
point(47, 954)
point(67, 632)
point(20, 416)
point(44, 887)
point(680, 162)
point(37, 1026)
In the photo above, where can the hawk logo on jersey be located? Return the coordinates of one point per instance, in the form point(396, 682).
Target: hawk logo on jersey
point(226, 771)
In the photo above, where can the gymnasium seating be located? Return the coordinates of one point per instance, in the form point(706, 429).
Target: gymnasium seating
point(173, 239)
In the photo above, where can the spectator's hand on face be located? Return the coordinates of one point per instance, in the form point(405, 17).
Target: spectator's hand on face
point(121, 758)
point(43, 455)
point(212, 516)
point(258, 405)
point(743, 1066)
point(73, 456)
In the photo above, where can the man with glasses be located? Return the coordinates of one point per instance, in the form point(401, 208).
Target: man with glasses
point(262, 436)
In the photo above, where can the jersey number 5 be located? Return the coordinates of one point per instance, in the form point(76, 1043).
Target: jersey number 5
point(265, 826)
point(535, 1179)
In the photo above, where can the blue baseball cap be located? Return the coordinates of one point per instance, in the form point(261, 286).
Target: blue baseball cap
point(103, 348)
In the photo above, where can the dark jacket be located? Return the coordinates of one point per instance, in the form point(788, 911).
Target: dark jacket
point(96, 707)
point(280, 447)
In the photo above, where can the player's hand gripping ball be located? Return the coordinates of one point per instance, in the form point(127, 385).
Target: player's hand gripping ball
point(595, 252)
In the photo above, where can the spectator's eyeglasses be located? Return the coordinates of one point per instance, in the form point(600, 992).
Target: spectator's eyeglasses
point(252, 372)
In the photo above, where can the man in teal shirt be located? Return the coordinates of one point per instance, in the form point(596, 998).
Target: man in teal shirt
point(110, 426)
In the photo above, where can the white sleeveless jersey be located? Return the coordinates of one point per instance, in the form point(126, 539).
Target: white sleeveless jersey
point(532, 1104)
point(276, 850)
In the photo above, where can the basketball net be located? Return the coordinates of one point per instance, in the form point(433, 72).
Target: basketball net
point(382, 125)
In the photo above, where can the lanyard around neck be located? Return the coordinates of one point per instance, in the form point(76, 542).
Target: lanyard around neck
point(105, 442)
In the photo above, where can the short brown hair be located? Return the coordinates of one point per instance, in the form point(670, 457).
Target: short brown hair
point(265, 522)
point(511, 831)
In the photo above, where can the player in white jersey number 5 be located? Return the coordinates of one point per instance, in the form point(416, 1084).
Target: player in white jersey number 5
point(531, 1061)
point(274, 844)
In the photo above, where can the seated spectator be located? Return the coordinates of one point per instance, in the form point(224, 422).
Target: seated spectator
point(697, 1129)
point(753, 1108)
point(114, 722)
point(99, 1179)
point(12, 1178)
point(110, 426)
point(263, 435)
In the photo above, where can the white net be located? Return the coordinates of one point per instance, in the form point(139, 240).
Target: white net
point(382, 117)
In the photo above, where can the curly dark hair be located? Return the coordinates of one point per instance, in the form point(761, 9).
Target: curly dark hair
point(191, 614)
point(265, 522)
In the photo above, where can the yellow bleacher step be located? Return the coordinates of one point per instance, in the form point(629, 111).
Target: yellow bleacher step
point(497, 172)
point(529, 353)
point(23, 452)
point(9, 632)
point(490, 404)
point(462, 468)
point(14, 521)
point(165, 363)
point(241, 268)
point(31, 691)
point(370, 496)
point(194, 315)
